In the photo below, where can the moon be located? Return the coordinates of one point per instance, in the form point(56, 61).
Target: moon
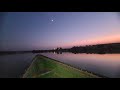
point(52, 20)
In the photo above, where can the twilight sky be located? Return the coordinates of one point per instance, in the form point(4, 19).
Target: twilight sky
point(48, 30)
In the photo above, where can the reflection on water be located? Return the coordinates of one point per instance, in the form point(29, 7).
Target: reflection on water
point(103, 64)
point(13, 66)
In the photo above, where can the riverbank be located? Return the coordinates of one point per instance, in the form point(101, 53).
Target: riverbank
point(44, 67)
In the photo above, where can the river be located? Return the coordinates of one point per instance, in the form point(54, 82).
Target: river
point(102, 64)
point(14, 65)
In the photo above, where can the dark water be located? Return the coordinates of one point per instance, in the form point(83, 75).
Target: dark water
point(14, 65)
point(103, 64)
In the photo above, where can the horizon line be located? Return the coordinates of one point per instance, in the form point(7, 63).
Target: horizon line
point(60, 47)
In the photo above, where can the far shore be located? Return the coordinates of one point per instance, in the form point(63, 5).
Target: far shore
point(111, 48)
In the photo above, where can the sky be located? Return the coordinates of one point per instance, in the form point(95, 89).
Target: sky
point(48, 30)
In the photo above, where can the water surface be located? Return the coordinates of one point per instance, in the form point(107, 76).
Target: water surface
point(14, 65)
point(102, 64)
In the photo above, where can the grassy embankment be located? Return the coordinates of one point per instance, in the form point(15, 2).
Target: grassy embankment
point(43, 67)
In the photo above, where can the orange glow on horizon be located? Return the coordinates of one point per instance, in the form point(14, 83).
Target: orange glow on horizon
point(100, 40)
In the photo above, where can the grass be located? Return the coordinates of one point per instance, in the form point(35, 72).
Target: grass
point(43, 67)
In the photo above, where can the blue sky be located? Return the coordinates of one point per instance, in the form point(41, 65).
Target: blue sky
point(36, 30)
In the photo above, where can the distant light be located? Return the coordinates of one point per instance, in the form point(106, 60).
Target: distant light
point(52, 20)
